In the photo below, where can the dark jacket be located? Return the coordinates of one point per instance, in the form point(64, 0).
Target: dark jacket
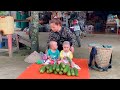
point(63, 35)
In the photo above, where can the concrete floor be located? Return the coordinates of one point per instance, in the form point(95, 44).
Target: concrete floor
point(11, 68)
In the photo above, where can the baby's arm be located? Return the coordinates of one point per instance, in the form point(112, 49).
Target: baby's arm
point(48, 55)
point(61, 55)
point(58, 55)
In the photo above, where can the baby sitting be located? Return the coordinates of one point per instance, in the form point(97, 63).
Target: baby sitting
point(66, 55)
point(52, 53)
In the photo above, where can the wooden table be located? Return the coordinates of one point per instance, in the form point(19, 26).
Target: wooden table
point(10, 49)
point(23, 38)
point(18, 39)
point(21, 20)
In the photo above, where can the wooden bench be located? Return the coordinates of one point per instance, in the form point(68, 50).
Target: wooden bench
point(24, 38)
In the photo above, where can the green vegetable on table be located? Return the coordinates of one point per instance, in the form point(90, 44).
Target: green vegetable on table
point(69, 60)
point(69, 73)
point(48, 66)
point(57, 68)
point(54, 66)
point(60, 72)
point(60, 69)
point(62, 65)
point(51, 69)
point(42, 69)
point(66, 68)
point(76, 71)
point(55, 72)
point(72, 72)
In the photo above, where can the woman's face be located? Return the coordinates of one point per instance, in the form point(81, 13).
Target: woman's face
point(54, 27)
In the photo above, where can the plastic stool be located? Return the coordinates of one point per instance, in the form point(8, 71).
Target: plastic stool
point(1, 44)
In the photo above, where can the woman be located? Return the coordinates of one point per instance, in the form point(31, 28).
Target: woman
point(60, 34)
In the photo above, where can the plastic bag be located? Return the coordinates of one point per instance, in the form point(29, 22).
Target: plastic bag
point(75, 65)
point(33, 57)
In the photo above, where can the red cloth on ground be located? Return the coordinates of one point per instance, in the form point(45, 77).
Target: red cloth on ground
point(32, 72)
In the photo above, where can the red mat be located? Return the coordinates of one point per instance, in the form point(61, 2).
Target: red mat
point(32, 72)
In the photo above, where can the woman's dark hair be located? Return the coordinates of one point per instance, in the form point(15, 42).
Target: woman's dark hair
point(56, 21)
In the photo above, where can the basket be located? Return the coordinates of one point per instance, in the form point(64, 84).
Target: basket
point(103, 55)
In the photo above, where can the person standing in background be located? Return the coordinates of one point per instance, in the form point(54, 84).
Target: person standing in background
point(77, 31)
point(18, 17)
point(65, 19)
point(21, 15)
point(24, 15)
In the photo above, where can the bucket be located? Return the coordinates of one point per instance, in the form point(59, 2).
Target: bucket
point(5, 42)
point(1, 44)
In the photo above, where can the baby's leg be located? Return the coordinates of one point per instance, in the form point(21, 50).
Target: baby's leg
point(59, 61)
point(47, 62)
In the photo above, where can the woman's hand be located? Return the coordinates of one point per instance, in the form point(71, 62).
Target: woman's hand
point(72, 49)
point(29, 18)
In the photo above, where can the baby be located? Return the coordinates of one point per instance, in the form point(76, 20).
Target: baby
point(66, 55)
point(66, 51)
point(52, 53)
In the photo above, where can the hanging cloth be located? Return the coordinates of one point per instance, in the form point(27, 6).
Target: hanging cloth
point(18, 17)
point(23, 17)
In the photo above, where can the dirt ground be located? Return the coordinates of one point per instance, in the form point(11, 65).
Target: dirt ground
point(11, 68)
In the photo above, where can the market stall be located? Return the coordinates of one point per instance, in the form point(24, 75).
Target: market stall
point(111, 24)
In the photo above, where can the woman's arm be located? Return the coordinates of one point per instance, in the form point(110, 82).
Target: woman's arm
point(58, 54)
point(48, 54)
point(72, 49)
point(50, 38)
point(70, 39)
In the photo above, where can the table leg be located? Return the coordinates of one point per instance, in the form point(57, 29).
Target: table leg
point(17, 41)
point(10, 45)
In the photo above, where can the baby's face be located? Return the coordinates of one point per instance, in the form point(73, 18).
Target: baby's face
point(66, 48)
point(54, 46)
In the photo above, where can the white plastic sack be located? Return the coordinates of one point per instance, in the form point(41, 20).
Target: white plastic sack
point(33, 57)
